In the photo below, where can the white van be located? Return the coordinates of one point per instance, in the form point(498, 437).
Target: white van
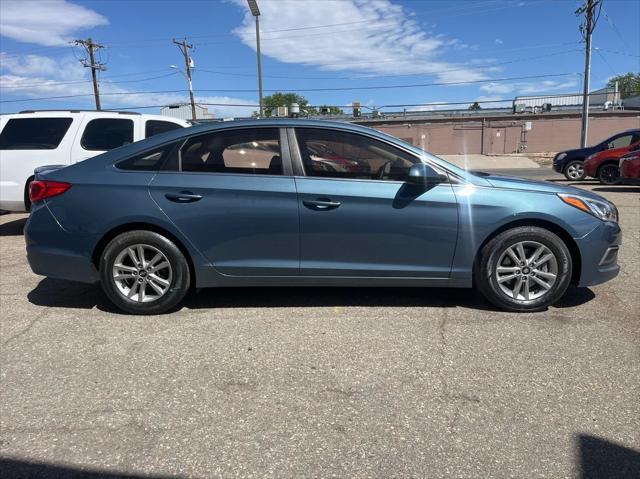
point(30, 139)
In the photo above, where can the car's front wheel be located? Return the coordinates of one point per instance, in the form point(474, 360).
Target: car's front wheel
point(574, 170)
point(609, 174)
point(143, 272)
point(524, 269)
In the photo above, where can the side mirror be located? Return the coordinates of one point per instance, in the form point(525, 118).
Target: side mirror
point(421, 174)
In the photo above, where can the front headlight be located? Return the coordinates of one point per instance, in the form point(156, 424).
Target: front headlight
point(561, 156)
point(600, 209)
point(590, 157)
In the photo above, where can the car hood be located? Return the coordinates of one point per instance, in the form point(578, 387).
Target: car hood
point(579, 152)
point(515, 183)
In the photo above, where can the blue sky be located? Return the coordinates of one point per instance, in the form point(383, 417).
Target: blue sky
point(307, 44)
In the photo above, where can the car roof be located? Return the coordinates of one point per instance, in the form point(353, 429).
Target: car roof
point(283, 122)
point(91, 113)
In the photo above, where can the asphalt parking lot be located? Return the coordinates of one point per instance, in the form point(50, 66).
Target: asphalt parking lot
point(315, 382)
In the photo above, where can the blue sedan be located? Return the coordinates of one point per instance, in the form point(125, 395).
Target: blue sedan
point(309, 203)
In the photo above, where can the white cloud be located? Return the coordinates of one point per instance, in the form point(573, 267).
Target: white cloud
point(32, 76)
point(45, 22)
point(498, 41)
point(387, 41)
point(36, 67)
point(528, 88)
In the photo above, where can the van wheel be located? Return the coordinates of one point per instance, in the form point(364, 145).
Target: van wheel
point(609, 174)
point(524, 269)
point(143, 272)
point(574, 170)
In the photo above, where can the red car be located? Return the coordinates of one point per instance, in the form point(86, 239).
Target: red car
point(630, 167)
point(603, 165)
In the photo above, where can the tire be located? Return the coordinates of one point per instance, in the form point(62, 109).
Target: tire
point(496, 265)
point(162, 281)
point(574, 170)
point(27, 201)
point(609, 174)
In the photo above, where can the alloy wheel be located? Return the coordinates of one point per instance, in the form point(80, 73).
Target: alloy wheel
point(610, 174)
point(575, 171)
point(142, 273)
point(527, 270)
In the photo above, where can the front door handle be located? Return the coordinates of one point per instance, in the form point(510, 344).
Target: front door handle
point(183, 197)
point(321, 204)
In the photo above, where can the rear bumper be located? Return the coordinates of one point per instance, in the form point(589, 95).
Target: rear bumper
point(11, 196)
point(599, 252)
point(53, 252)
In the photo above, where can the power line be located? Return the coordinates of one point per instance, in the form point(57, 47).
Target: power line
point(75, 82)
point(617, 53)
point(615, 28)
point(364, 77)
point(378, 87)
point(394, 105)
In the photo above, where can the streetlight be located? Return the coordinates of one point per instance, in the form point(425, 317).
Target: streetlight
point(255, 11)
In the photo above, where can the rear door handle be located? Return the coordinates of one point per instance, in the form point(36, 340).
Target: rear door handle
point(183, 197)
point(321, 204)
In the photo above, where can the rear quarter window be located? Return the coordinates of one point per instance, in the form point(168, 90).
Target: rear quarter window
point(34, 133)
point(155, 127)
point(150, 160)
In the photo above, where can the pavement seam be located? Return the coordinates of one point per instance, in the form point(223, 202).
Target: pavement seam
point(28, 328)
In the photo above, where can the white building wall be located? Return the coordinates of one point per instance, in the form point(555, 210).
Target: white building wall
point(183, 111)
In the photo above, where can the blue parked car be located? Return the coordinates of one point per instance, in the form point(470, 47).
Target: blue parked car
point(309, 203)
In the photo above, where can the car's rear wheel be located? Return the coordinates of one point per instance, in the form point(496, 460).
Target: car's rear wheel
point(574, 170)
point(524, 269)
point(27, 200)
point(609, 174)
point(143, 272)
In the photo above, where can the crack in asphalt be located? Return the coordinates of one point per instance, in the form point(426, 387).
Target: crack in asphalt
point(27, 329)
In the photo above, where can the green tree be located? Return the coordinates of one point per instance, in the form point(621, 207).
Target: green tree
point(272, 102)
point(475, 107)
point(628, 85)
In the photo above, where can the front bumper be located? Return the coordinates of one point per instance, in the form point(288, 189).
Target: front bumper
point(590, 169)
point(53, 252)
point(599, 253)
point(558, 166)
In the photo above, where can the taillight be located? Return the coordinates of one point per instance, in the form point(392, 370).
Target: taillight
point(42, 189)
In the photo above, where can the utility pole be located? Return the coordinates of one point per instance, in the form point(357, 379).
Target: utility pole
point(255, 11)
point(90, 48)
point(188, 64)
point(589, 10)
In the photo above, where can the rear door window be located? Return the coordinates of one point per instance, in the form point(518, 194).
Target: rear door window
point(249, 151)
point(34, 133)
point(155, 127)
point(104, 134)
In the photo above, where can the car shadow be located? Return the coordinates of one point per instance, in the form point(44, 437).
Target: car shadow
point(618, 189)
point(66, 294)
point(602, 459)
point(21, 468)
point(13, 228)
